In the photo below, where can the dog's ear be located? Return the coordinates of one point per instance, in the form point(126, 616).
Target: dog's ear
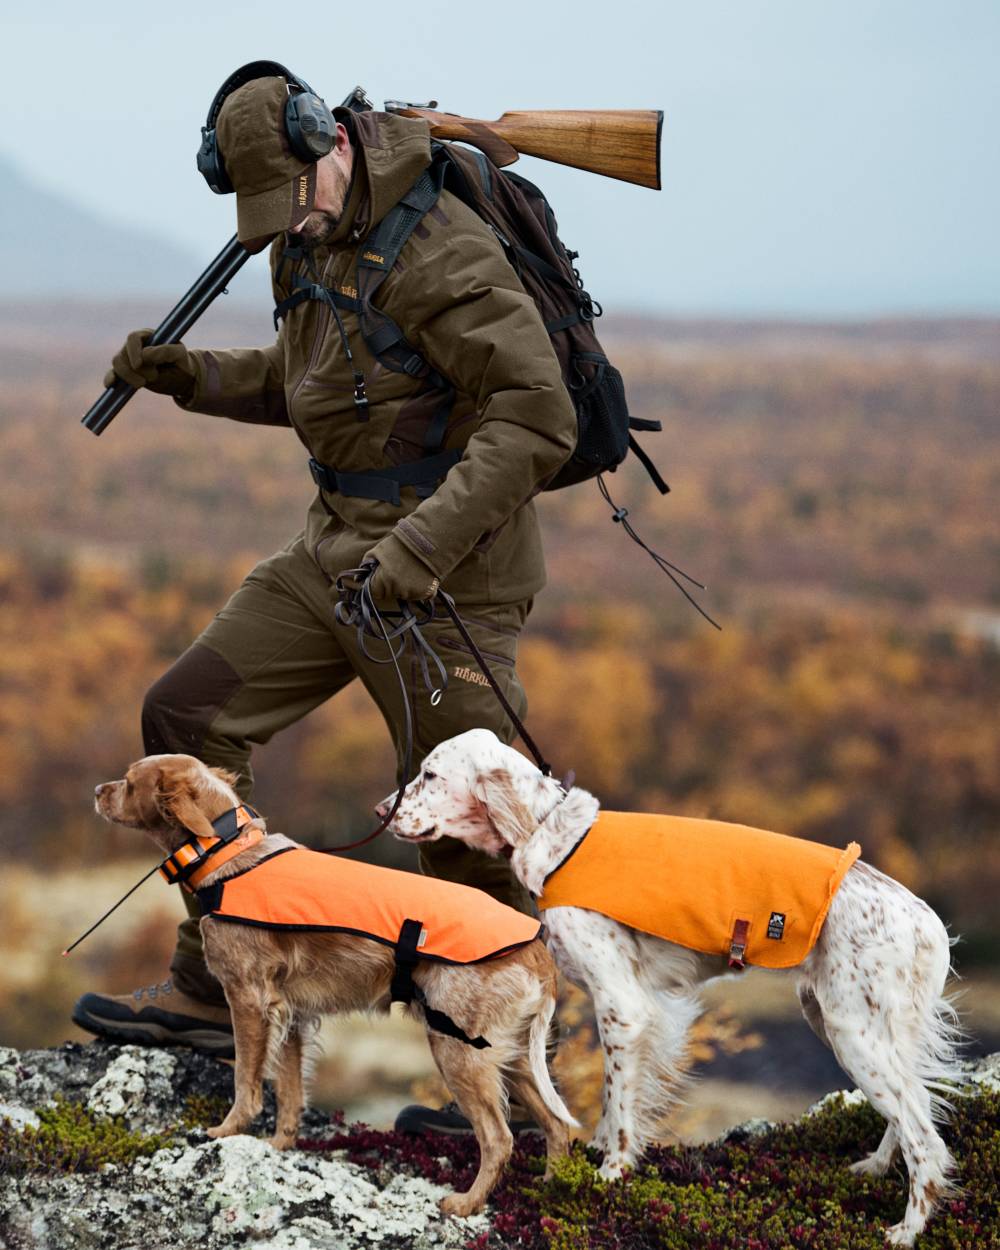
point(176, 799)
point(508, 813)
point(224, 775)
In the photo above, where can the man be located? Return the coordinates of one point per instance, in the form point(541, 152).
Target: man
point(275, 652)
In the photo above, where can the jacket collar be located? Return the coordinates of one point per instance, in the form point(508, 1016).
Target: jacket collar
point(390, 154)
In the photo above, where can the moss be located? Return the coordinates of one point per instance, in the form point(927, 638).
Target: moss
point(69, 1138)
point(204, 1110)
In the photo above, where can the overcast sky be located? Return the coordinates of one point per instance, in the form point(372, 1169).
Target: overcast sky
point(820, 157)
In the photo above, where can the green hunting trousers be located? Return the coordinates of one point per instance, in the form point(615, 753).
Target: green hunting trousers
point(274, 653)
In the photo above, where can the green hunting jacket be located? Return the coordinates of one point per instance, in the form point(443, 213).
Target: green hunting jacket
point(460, 304)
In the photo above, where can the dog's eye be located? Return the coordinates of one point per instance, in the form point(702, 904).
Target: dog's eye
point(428, 776)
point(128, 787)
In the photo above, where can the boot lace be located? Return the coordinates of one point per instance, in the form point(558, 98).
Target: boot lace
point(153, 991)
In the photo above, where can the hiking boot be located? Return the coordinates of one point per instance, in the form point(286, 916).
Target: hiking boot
point(157, 1015)
point(448, 1119)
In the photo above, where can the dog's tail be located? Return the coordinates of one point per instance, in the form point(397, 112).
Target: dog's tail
point(940, 1035)
point(537, 1045)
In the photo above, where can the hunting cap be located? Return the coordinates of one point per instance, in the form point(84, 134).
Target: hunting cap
point(275, 189)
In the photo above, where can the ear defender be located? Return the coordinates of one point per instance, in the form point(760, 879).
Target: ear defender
point(309, 124)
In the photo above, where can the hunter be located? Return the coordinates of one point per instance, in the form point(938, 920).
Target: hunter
point(275, 651)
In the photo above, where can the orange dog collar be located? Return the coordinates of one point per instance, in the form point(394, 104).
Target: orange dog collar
point(191, 863)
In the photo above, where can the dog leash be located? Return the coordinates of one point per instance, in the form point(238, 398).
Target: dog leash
point(526, 738)
point(357, 607)
point(227, 828)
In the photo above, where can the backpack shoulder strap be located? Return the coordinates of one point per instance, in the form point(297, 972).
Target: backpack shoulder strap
point(376, 257)
point(380, 249)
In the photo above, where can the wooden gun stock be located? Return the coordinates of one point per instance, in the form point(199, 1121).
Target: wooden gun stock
point(619, 143)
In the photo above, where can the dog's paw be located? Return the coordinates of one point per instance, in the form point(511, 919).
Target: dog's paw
point(221, 1130)
point(282, 1141)
point(459, 1204)
point(613, 1167)
point(900, 1235)
point(873, 1165)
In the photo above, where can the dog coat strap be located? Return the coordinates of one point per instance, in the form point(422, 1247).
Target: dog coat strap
point(412, 935)
point(738, 944)
point(442, 1023)
point(402, 987)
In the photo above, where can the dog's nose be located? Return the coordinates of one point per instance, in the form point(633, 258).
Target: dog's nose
point(382, 810)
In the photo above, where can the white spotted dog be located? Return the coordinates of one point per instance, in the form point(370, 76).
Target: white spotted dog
point(871, 961)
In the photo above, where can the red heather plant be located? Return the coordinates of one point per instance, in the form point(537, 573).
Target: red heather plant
point(788, 1187)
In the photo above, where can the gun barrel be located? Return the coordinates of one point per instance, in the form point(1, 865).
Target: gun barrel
point(172, 328)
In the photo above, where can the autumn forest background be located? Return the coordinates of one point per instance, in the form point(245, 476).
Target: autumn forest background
point(835, 486)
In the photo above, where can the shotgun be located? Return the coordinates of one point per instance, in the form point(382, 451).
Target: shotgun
point(618, 143)
point(172, 328)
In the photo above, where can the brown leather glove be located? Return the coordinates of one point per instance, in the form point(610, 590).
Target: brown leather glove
point(400, 574)
point(168, 370)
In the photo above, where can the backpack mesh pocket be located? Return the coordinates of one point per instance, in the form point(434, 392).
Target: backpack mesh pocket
point(602, 419)
point(602, 411)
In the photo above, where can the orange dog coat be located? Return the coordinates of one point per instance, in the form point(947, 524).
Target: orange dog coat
point(730, 890)
point(303, 890)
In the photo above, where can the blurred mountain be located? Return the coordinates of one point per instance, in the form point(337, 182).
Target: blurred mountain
point(50, 245)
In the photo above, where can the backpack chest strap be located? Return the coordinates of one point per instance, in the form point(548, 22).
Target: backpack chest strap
point(303, 289)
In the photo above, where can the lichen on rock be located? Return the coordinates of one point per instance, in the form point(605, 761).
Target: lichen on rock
point(137, 1082)
point(99, 1154)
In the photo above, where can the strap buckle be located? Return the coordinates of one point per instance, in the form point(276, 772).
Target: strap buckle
point(323, 475)
point(738, 945)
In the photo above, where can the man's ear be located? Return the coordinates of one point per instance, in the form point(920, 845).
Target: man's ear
point(178, 805)
point(507, 812)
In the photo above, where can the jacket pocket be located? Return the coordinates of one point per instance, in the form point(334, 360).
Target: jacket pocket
point(456, 644)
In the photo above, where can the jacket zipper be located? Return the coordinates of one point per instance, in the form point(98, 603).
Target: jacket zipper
point(321, 329)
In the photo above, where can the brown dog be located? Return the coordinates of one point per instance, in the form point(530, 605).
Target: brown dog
point(279, 982)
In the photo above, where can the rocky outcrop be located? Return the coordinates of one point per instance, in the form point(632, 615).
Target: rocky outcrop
point(104, 1148)
point(189, 1190)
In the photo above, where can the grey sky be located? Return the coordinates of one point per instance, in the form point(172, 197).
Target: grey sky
point(820, 157)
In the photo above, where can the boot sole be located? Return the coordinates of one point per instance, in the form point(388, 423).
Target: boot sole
point(206, 1040)
point(416, 1124)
